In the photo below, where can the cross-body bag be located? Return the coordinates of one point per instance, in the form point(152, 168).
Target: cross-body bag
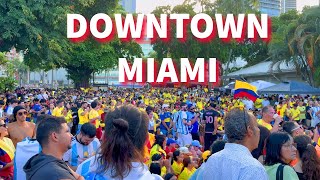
point(279, 175)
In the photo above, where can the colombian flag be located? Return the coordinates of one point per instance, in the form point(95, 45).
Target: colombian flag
point(243, 89)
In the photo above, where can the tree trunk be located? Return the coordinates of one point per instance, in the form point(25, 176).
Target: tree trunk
point(80, 76)
point(84, 83)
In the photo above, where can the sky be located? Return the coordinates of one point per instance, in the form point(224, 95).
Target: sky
point(147, 6)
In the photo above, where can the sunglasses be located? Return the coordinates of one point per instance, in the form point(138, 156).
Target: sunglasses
point(21, 113)
point(3, 125)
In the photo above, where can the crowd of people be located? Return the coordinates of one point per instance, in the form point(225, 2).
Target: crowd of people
point(157, 133)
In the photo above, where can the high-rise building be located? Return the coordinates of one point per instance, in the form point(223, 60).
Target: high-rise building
point(287, 5)
point(270, 7)
point(129, 5)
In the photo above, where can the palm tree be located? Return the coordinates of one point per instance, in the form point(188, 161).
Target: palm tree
point(297, 41)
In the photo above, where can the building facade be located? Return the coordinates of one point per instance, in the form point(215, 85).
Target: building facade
point(270, 7)
point(287, 5)
point(129, 6)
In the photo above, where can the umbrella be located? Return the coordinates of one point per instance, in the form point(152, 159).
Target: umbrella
point(230, 85)
point(262, 84)
point(291, 87)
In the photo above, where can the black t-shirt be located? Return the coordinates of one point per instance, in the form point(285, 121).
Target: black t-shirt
point(308, 114)
point(208, 118)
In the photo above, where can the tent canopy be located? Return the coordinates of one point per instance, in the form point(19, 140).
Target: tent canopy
point(291, 87)
point(262, 84)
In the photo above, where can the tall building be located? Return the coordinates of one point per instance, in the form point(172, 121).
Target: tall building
point(129, 5)
point(270, 7)
point(287, 5)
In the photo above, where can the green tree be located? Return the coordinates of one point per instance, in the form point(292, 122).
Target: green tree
point(224, 52)
point(297, 41)
point(38, 27)
point(7, 81)
point(90, 57)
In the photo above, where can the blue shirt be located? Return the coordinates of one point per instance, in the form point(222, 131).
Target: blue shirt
point(166, 116)
point(79, 152)
point(234, 162)
point(195, 126)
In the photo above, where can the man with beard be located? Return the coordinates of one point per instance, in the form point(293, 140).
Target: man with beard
point(83, 146)
point(54, 138)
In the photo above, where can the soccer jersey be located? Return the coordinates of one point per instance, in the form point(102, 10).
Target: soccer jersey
point(139, 171)
point(166, 117)
point(83, 119)
point(24, 151)
point(79, 152)
point(264, 124)
point(295, 113)
point(94, 114)
point(57, 112)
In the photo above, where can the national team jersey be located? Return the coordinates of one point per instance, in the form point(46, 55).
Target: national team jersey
point(166, 117)
point(139, 171)
point(78, 151)
point(208, 117)
point(24, 151)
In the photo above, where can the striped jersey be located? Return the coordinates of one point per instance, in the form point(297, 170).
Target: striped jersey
point(80, 152)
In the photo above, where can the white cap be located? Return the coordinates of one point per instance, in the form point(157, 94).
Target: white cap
point(184, 150)
point(165, 105)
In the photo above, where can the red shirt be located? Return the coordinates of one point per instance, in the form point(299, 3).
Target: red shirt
point(168, 150)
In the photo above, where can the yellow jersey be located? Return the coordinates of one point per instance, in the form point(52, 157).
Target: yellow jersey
point(83, 119)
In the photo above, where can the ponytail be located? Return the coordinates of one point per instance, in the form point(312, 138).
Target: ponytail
point(310, 163)
point(118, 150)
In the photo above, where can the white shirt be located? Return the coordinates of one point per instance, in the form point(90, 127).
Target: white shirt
point(24, 151)
point(43, 96)
point(248, 103)
point(234, 162)
point(182, 128)
point(138, 172)
point(10, 110)
point(1, 112)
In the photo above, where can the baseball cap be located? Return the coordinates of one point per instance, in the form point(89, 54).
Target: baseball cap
point(206, 154)
point(171, 141)
point(165, 105)
point(196, 143)
point(184, 150)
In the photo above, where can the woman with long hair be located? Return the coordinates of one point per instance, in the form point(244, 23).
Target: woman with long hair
point(308, 166)
point(281, 150)
point(159, 146)
point(120, 156)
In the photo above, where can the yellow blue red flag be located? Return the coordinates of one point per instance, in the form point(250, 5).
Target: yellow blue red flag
point(243, 89)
